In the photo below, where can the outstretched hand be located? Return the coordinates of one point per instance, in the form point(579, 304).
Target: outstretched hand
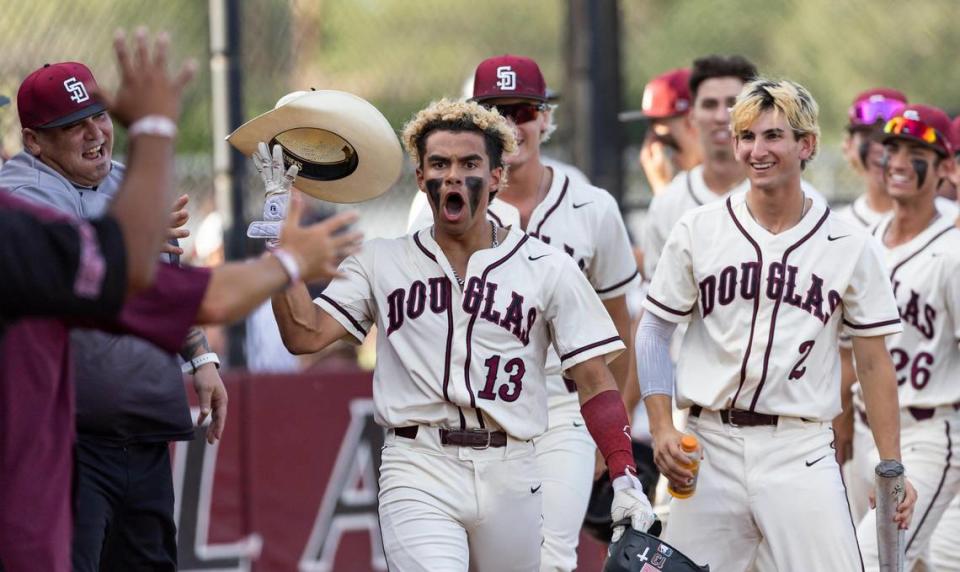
point(146, 88)
point(320, 247)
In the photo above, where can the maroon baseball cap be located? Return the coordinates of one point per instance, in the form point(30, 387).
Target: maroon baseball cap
point(879, 104)
point(922, 123)
point(509, 76)
point(57, 95)
point(667, 95)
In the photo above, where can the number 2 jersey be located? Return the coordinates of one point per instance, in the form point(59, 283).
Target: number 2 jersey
point(766, 310)
point(925, 273)
point(471, 358)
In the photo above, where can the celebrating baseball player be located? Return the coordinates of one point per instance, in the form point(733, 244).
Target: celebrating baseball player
point(767, 280)
point(921, 249)
point(466, 311)
point(584, 223)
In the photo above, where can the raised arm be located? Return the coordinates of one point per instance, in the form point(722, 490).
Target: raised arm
point(305, 253)
point(304, 327)
point(148, 104)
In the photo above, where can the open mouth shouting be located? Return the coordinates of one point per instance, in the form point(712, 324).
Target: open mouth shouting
point(454, 204)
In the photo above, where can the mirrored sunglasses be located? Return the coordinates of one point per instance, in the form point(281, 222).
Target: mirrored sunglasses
point(519, 113)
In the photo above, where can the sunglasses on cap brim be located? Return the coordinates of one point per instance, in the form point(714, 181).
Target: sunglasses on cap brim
point(869, 112)
point(916, 129)
point(517, 112)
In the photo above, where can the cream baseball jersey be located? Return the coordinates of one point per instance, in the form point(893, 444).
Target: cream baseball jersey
point(765, 310)
point(925, 273)
point(861, 212)
point(584, 222)
point(685, 192)
point(470, 358)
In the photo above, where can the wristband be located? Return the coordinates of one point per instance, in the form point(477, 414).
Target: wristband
point(289, 263)
point(156, 125)
point(193, 365)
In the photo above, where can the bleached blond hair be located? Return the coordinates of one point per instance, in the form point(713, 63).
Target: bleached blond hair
point(449, 115)
point(784, 96)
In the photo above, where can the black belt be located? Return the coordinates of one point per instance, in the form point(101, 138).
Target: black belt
point(476, 438)
point(739, 417)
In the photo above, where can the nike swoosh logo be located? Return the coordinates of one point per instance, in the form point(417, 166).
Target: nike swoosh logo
point(576, 206)
point(537, 488)
point(532, 258)
point(832, 238)
point(575, 424)
point(814, 462)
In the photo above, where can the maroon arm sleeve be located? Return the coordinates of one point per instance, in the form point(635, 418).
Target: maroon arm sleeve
point(607, 422)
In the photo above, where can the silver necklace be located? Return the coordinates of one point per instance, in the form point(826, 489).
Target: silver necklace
point(494, 243)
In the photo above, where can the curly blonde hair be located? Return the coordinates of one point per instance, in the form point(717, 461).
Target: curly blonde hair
point(786, 97)
point(448, 115)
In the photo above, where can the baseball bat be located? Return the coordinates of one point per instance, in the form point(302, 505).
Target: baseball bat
point(890, 493)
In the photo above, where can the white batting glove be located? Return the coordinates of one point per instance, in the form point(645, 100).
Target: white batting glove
point(276, 180)
point(629, 501)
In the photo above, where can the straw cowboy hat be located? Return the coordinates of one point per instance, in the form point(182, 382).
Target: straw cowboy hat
point(346, 149)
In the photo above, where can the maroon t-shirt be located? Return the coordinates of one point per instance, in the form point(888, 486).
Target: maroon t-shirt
point(36, 393)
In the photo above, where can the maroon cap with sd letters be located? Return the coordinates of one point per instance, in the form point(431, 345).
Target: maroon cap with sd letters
point(509, 76)
point(57, 95)
point(924, 124)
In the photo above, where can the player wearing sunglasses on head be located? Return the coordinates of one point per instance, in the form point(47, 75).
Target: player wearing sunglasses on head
point(921, 249)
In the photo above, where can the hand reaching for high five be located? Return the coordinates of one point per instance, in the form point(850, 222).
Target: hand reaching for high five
point(146, 88)
point(320, 247)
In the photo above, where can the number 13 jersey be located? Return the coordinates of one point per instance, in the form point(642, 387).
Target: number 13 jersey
point(766, 310)
point(470, 358)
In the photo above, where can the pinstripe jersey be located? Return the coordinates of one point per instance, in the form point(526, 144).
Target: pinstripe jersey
point(925, 273)
point(584, 222)
point(765, 310)
point(470, 358)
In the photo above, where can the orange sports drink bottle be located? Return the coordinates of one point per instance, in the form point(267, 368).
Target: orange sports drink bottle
point(692, 449)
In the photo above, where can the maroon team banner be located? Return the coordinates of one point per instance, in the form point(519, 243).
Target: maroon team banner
point(292, 486)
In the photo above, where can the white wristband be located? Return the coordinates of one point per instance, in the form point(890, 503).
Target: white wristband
point(156, 125)
point(289, 264)
point(193, 365)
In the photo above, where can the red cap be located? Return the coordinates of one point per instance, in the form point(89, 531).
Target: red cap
point(509, 76)
point(667, 95)
point(929, 116)
point(56, 95)
point(956, 134)
point(879, 93)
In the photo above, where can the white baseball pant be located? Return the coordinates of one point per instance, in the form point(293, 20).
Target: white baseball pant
point(945, 543)
point(447, 508)
point(929, 449)
point(779, 483)
point(565, 457)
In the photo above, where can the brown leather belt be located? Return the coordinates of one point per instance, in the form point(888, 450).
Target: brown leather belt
point(476, 438)
point(739, 417)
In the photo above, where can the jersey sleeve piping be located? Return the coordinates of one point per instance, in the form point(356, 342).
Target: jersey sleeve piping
point(609, 347)
point(618, 285)
point(666, 308)
point(341, 315)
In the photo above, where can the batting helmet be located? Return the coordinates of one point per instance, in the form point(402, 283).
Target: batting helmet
point(641, 552)
point(597, 522)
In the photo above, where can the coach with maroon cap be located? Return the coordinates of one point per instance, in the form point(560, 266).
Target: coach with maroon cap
point(130, 396)
point(670, 145)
